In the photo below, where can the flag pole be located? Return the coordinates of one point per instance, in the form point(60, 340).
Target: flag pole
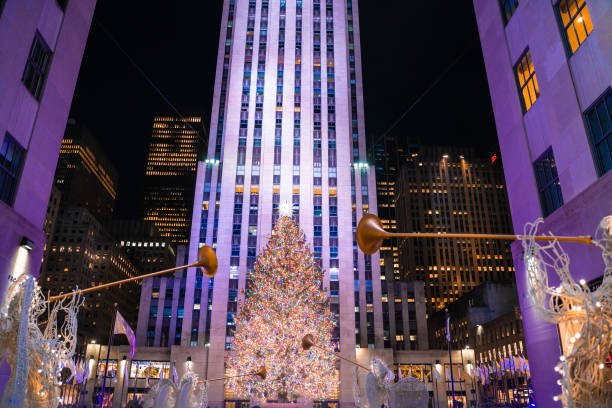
point(450, 358)
point(110, 344)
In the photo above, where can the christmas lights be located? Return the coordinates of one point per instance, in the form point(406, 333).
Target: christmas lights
point(284, 300)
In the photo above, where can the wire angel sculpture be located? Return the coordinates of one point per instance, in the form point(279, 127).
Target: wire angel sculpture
point(189, 392)
point(584, 316)
point(36, 357)
point(408, 392)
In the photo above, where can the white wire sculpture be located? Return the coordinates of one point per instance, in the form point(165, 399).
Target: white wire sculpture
point(408, 392)
point(36, 357)
point(584, 316)
point(189, 392)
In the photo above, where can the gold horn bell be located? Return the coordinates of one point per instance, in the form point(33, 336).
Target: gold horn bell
point(370, 234)
point(307, 342)
point(207, 260)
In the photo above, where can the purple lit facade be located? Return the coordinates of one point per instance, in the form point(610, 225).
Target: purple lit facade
point(554, 114)
point(41, 47)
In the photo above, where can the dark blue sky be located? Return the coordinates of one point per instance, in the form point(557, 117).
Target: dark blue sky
point(405, 47)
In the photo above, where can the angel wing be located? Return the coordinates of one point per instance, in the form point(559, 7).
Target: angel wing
point(408, 392)
point(376, 391)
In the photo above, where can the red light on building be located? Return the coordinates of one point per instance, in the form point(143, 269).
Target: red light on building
point(493, 158)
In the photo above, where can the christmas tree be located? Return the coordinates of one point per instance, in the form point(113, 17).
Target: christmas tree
point(284, 301)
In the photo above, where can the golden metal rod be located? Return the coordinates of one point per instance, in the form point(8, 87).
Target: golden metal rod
point(345, 359)
point(586, 239)
point(119, 282)
point(261, 373)
point(207, 259)
point(225, 378)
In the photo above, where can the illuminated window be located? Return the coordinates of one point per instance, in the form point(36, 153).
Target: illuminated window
point(576, 22)
point(547, 180)
point(599, 120)
point(527, 81)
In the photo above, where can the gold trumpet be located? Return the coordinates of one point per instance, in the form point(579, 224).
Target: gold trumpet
point(261, 374)
point(308, 342)
point(207, 261)
point(370, 234)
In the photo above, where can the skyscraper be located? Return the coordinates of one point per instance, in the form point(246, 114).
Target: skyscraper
point(444, 189)
point(42, 45)
point(548, 67)
point(84, 174)
point(174, 151)
point(287, 132)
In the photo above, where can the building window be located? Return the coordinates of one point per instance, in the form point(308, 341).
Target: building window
point(11, 162)
point(599, 120)
point(527, 81)
point(508, 7)
point(37, 66)
point(576, 22)
point(547, 180)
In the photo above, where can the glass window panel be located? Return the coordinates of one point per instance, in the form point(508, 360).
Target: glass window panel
point(594, 125)
point(579, 25)
point(563, 11)
point(526, 99)
point(573, 8)
point(604, 119)
point(605, 155)
point(532, 93)
point(587, 20)
point(572, 38)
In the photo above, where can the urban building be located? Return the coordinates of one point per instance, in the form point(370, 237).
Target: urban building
point(38, 73)
point(452, 190)
point(84, 174)
point(549, 71)
point(486, 319)
point(420, 364)
point(404, 311)
point(175, 147)
point(80, 253)
point(52, 211)
point(142, 243)
point(389, 156)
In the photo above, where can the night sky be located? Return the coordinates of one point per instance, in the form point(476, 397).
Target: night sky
point(406, 46)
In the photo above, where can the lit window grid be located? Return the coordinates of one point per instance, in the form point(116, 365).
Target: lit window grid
point(527, 81)
point(576, 23)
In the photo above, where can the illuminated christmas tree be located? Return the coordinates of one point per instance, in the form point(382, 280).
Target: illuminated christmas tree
point(283, 302)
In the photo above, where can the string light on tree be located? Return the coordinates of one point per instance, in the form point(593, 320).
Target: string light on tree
point(283, 302)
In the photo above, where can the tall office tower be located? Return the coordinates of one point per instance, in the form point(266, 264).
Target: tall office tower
point(486, 319)
point(80, 253)
point(84, 175)
point(38, 73)
point(390, 154)
point(287, 132)
point(444, 190)
point(174, 150)
point(401, 331)
point(549, 71)
point(143, 244)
